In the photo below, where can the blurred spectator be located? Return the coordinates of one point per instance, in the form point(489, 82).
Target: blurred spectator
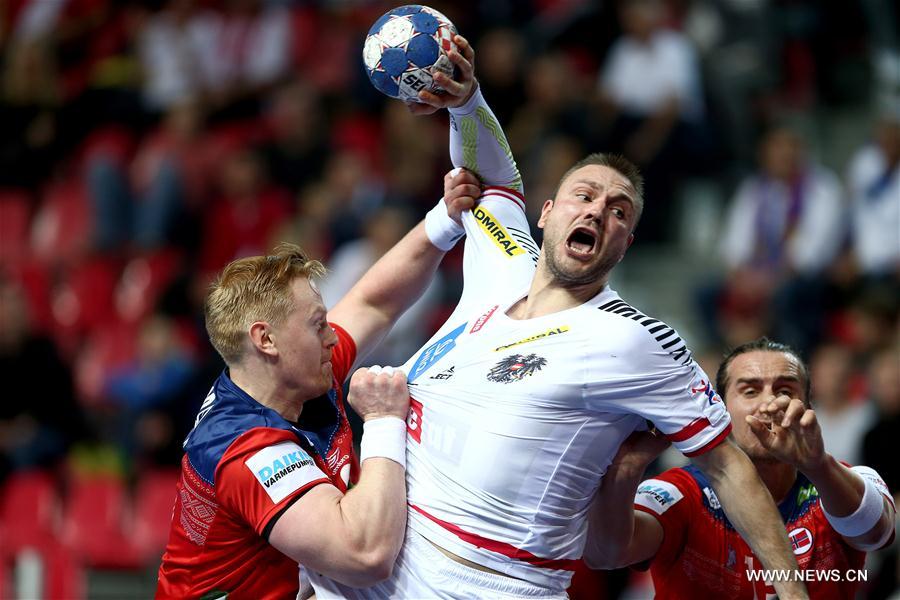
point(880, 452)
point(500, 62)
point(145, 389)
point(351, 192)
point(542, 173)
point(651, 92)
point(249, 52)
point(736, 44)
point(872, 318)
point(31, 95)
point(350, 262)
point(651, 71)
point(39, 418)
point(143, 201)
point(297, 151)
point(414, 170)
point(241, 221)
point(783, 228)
point(874, 186)
point(552, 108)
point(174, 48)
point(844, 419)
point(224, 57)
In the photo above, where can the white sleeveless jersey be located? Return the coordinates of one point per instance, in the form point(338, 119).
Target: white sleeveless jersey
point(514, 422)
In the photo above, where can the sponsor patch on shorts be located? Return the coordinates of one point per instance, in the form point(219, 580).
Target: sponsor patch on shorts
point(282, 469)
point(657, 495)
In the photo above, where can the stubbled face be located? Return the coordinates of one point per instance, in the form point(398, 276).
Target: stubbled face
point(755, 379)
point(304, 341)
point(587, 228)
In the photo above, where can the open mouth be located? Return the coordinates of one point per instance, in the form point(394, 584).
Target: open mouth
point(582, 241)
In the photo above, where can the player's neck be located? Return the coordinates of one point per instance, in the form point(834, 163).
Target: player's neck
point(265, 390)
point(778, 477)
point(546, 296)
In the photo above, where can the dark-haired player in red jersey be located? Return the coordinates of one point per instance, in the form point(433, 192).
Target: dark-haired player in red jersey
point(833, 513)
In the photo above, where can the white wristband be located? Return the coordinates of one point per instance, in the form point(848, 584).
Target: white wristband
point(864, 518)
point(384, 437)
point(443, 231)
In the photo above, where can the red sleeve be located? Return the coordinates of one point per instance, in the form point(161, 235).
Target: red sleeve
point(343, 355)
point(671, 498)
point(262, 472)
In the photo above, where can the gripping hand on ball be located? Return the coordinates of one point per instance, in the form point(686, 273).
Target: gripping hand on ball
point(456, 92)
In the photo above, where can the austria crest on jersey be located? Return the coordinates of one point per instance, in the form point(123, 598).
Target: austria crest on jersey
point(405, 48)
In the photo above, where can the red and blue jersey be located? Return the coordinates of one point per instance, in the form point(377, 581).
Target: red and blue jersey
point(244, 465)
point(703, 556)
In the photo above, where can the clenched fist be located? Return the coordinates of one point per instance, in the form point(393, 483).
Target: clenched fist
point(379, 392)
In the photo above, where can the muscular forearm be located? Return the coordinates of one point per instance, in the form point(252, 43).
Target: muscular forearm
point(374, 515)
point(751, 510)
point(839, 488)
point(477, 142)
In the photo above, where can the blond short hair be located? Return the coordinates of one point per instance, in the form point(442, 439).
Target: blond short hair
point(256, 288)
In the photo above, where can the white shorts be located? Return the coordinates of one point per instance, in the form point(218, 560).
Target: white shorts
point(422, 571)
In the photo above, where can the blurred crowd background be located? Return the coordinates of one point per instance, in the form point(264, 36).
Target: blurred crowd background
point(147, 143)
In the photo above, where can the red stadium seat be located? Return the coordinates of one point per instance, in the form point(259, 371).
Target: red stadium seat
point(106, 349)
point(29, 510)
point(95, 513)
point(62, 228)
point(154, 500)
point(64, 576)
point(143, 280)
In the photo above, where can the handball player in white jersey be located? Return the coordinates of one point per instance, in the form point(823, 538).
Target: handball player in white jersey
point(522, 398)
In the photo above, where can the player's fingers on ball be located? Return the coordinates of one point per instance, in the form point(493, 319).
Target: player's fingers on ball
point(466, 70)
point(430, 99)
point(465, 47)
point(452, 87)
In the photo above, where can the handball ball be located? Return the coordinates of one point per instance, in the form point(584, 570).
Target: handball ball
point(405, 48)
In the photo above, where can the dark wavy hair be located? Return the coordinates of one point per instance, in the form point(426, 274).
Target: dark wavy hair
point(763, 344)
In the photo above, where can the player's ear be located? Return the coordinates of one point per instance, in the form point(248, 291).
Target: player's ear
point(260, 333)
point(627, 246)
point(545, 210)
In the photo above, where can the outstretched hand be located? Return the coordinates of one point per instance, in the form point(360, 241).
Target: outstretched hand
point(791, 434)
point(462, 188)
point(456, 92)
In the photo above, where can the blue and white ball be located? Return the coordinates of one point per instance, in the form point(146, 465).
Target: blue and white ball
point(405, 48)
